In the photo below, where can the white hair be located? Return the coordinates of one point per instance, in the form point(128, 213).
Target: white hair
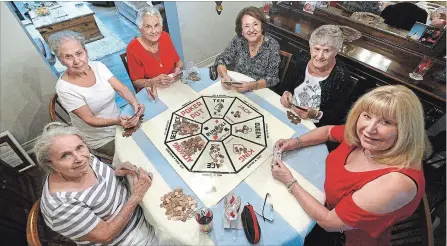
point(43, 145)
point(148, 11)
point(327, 35)
point(56, 40)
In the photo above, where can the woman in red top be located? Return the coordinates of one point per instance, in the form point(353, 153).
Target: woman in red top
point(152, 57)
point(374, 178)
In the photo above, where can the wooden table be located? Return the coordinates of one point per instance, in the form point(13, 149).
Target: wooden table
point(67, 16)
point(291, 223)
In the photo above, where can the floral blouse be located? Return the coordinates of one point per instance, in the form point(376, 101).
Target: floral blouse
point(264, 65)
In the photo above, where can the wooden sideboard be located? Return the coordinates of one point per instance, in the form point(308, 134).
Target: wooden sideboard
point(68, 16)
point(370, 62)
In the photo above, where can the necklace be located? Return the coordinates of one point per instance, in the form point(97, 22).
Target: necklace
point(367, 155)
point(156, 57)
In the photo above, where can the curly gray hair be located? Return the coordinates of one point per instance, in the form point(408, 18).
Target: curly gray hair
point(43, 145)
point(148, 11)
point(327, 35)
point(56, 40)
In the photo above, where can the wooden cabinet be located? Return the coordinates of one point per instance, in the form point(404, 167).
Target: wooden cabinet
point(371, 64)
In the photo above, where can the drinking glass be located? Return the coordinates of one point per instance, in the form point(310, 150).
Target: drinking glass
point(424, 65)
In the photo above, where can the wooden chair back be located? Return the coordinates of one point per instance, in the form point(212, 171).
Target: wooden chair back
point(32, 234)
point(124, 60)
point(57, 111)
point(286, 57)
point(416, 229)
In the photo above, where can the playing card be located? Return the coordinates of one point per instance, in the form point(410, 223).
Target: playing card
point(277, 154)
point(294, 103)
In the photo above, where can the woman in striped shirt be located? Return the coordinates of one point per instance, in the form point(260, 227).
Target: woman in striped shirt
point(82, 198)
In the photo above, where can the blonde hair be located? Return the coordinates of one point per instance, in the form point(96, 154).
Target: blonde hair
point(400, 104)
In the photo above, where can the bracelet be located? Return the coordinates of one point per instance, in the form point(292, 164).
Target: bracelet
point(290, 185)
point(300, 143)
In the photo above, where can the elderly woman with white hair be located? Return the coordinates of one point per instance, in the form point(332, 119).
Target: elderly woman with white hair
point(87, 91)
point(83, 199)
point(152, 56)
point(321, 85)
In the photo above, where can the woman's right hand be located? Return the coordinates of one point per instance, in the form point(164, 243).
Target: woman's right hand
point(226, 78)
point(163, 80)
point(287, 144)
point(128, 121)
point(286, 98)
point(141, 184)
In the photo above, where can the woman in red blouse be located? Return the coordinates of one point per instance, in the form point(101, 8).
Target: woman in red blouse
point(374, 178)
point(152, 56)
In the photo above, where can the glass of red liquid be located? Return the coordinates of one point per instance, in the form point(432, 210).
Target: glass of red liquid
point(204, 217)
point(424, 65)
point(266, 9)
point(152, 93)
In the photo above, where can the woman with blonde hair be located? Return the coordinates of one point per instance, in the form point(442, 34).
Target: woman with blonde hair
point(374, 178)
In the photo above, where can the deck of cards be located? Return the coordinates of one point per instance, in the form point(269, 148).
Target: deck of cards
point(277, 154)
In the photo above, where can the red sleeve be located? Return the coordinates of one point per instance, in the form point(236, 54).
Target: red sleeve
point(135, 65)
point(355, 217)
point(338, 133)
point(171, 47)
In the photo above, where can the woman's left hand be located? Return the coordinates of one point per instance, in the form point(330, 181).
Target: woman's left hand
point(303, 114)
point(242, 87)
point(281, 172)
point(141, 107)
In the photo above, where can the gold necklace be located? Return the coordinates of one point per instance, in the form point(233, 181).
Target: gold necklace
point(157, 57)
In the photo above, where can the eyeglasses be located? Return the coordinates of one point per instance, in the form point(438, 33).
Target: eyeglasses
point(254, 26)
point(267, 209)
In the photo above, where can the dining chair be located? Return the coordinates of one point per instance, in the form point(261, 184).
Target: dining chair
point(35, 225)
point(57, 111)
point(416, 230)
point(124, 60)
point(285, 58)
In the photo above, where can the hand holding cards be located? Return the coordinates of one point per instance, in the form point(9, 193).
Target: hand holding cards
point(126, 168)
point(277, 154)
point(295, 105)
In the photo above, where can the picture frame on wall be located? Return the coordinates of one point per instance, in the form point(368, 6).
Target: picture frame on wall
point(13, 154)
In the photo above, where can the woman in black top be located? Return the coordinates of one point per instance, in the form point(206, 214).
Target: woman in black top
point(322, 83)
point(252, 52)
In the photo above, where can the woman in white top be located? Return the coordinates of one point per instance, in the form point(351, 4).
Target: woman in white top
point(87, 91)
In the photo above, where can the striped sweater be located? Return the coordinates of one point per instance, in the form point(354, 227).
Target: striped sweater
point(75, 214)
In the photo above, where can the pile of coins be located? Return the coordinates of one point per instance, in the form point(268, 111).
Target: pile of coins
point(194, 76)
point(185, 127)
point(295, 119)
point(192, 145)
point(178, 205)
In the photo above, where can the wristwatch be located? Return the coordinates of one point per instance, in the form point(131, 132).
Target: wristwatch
point(289, 185)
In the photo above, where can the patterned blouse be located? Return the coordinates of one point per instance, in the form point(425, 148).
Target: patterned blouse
point(264, 65)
